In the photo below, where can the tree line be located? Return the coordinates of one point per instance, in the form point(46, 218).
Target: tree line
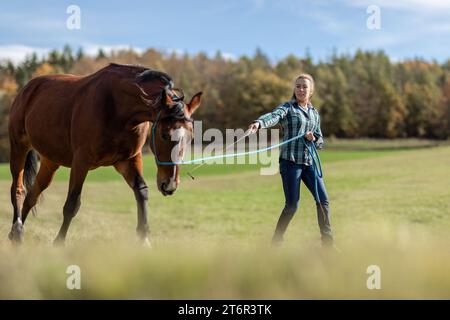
point(360, 95)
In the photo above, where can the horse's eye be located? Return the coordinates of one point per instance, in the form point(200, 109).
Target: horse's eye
point(165, 136)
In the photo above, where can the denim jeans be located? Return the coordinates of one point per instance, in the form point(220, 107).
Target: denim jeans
point(292, 174)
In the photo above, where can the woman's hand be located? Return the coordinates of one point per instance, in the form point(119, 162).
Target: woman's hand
point(309, 136)
point(253, 127)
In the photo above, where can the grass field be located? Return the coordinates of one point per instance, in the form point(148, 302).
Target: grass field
point(211, 240)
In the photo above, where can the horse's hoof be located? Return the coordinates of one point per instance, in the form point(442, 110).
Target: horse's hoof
point(59, 242)
point(15, 237)
point(16, 233)
point(146, 243)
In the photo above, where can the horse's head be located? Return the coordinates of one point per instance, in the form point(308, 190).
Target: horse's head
point(170, 135)
point(149, 94)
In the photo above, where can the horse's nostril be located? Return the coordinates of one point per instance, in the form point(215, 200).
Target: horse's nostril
point(166, 189)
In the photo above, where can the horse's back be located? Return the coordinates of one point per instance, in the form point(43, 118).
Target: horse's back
point(33, 90)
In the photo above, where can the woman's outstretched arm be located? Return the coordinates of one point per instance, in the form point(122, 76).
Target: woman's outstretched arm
point(272, 118)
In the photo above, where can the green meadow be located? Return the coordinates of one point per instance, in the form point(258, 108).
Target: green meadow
point(211, 239)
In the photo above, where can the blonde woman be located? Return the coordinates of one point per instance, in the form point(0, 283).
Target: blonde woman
point(298, 117)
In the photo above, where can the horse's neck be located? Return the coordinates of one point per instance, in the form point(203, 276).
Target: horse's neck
point(131, 121)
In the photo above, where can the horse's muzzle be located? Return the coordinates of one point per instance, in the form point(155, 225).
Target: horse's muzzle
point(167, 189)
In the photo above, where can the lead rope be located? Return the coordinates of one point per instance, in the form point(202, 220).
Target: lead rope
point(246, 134)
point(317, 165)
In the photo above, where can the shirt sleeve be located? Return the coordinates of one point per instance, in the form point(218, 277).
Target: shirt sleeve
point(273, 118)
point(318, 134)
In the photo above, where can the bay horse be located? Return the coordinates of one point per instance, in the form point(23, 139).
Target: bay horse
point(85, 122)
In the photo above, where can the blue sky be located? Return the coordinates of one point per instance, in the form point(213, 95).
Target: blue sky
point(409, 29)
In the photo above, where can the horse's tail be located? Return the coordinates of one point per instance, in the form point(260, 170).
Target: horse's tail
point(30, 172)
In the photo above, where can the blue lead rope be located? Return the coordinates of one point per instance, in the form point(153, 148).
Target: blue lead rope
point(317, 166)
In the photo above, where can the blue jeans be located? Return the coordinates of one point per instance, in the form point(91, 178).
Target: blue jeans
point(292, 174)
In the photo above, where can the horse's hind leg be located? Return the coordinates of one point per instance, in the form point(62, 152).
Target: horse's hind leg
point(18, 156)
point(131, 170)
point(43, 179)
point(78, 174)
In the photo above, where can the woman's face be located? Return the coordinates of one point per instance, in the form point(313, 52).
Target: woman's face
point(302, 89)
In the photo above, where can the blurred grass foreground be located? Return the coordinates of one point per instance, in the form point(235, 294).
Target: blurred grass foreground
point(211, 240)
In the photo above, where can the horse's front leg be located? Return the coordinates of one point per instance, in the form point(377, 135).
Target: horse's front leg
point(131, 170)
point(78, 174)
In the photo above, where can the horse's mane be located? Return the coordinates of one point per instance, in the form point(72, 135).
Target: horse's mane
point(140, 73)
point(149, 75)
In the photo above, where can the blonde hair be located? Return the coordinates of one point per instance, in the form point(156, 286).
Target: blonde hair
point(307, 77)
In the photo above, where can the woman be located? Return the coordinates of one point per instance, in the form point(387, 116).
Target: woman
point(298, 117)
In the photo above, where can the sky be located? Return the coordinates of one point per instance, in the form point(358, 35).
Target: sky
point(407, 29)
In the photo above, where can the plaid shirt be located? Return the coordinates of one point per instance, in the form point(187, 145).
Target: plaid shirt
point(294, 122)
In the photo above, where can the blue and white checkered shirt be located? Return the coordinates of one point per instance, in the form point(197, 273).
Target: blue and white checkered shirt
point(294, 122)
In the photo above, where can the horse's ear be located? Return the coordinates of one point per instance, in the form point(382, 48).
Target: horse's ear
point(194, 103)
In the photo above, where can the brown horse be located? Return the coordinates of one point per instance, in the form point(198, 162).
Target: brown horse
point(92, 121)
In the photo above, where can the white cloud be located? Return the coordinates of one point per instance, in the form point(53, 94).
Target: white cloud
point(17, 53)
point(229, 56)
point(92, 49)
